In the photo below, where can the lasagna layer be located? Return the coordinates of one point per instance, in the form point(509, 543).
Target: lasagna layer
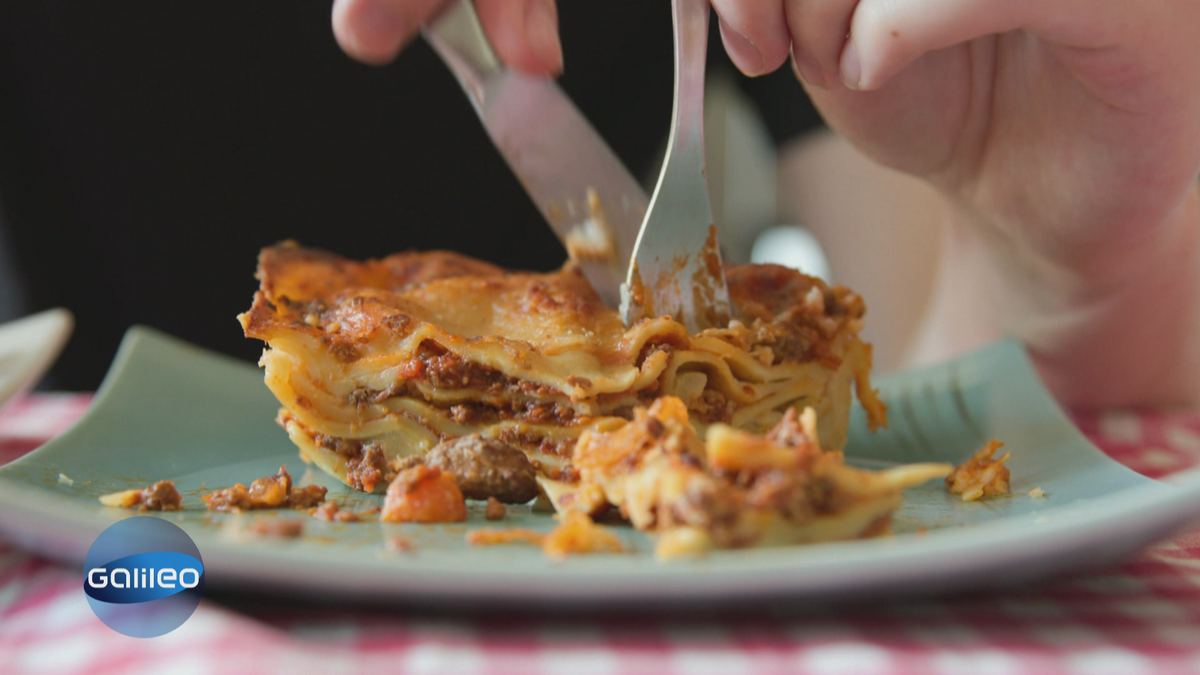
point(376, 360)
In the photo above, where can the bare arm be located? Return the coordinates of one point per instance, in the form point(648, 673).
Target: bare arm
point(934, 289)
point(1116, 330)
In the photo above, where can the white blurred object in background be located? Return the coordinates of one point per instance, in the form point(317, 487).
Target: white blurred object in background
point(792, 246)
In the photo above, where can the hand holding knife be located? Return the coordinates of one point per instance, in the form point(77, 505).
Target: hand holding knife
point(588, 197)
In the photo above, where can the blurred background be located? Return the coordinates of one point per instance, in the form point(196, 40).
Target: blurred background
point(148, 150)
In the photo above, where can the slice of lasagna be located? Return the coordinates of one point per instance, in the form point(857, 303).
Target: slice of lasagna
point(377, 360)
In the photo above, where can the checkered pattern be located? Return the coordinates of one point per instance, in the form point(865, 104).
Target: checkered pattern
point(28, 422)
point(1141, 617)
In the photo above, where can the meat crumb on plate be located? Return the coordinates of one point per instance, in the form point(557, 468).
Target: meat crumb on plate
point(162, 496)
point(577, 534)
point(270, 492)
point(494, 510)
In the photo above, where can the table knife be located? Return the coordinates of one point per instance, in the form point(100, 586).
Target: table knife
point(580, 186)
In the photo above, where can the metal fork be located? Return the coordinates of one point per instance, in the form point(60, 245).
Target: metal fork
point(676, 268)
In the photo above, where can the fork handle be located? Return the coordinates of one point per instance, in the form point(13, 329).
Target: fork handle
point(691, 47)
point(458, 38)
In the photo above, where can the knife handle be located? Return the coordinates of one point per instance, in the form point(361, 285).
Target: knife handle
point(458, 38)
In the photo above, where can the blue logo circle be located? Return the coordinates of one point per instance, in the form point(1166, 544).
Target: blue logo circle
point(143, 576)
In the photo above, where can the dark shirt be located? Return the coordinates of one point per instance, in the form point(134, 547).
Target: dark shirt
point(149, 149)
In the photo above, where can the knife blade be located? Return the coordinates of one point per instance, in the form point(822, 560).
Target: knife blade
point(582, 189)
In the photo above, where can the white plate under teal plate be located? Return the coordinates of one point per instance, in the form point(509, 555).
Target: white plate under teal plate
point(28, 347)
point(171, 410)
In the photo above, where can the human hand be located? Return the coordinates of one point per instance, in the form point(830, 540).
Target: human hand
point(1069, 120)
point(524, 33)
point(1065, 137)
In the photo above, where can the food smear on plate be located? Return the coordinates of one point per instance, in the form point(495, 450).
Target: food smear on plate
point(423, 494)
point(162, 496)
point(493, 536)
point(269, 492)
point(1037, 493)
point(577, 534)
point(982, 475)
point(400, 545)
point(273, 528)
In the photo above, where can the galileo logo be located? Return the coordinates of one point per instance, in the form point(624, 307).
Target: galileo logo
point(143, 576)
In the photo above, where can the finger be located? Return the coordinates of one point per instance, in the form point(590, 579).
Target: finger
point(374, 31)
point(524, 33)
point(888, 35)
point(912, 123)
point(818, 29)
point(755, 34)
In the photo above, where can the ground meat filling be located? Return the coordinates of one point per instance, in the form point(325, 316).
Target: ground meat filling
point(365, 471)
point(712, 406)
point(446, 370)
point(526, 401)
point(538, 412)
point(546, 446)
point(794, 343)
point(366, 465)
point(361, 397)
point(483, 468)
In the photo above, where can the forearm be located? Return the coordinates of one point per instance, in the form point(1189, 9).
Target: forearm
point(1118, 330)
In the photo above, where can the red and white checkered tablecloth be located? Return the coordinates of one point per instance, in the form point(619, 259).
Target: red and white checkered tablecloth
point(1140, 617)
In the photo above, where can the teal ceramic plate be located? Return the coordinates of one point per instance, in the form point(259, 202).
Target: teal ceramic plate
point(170, 410)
